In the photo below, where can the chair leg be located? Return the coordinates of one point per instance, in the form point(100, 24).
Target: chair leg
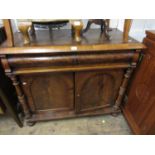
point(127, 26)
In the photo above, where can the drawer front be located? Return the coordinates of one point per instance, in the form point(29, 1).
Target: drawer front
point(101, 58)
point(24, 61)
point(79, 61)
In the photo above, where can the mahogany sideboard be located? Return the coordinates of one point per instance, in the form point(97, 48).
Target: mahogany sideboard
point(56, 78)
point(140, 107)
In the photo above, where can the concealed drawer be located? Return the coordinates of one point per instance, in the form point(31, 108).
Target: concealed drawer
point(29, 61)
point(102, 58)
point(66, 62)
point(22, 61)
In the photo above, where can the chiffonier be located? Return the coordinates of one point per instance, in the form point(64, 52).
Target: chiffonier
point(56, 77)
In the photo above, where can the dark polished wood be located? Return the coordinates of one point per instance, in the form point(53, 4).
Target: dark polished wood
point(97, 90)
point(49, 92)
point(20, 96)
point(56, 77)
point(140, 107)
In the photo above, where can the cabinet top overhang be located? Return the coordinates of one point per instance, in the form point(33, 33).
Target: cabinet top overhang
point(62, 41)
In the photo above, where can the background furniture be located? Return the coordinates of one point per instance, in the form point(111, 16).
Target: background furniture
point(140, 107)
point(50, 23)
point(2, 39)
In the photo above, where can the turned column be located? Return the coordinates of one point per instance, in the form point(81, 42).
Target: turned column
point(125, 81)
point(123, 88)
point(21, 96)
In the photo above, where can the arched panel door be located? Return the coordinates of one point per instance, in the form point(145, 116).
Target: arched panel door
point(96, 90)
point(49, 92)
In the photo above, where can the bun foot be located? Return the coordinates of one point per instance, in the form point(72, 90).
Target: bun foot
point(115, 114)
point(30, 123)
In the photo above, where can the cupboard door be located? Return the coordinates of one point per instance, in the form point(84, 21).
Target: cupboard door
point(49, 92)
point(96, 90)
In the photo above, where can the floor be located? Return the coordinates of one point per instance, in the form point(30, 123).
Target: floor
point(99, 125)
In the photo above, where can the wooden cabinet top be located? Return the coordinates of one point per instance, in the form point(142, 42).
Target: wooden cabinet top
point(61, 40)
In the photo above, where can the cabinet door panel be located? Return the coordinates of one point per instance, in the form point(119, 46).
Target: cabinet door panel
point(96, 90)
point(49, 91)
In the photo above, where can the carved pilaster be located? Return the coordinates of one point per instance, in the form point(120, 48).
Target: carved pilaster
point(123, 88)
point(5, 64)
point(21, 96)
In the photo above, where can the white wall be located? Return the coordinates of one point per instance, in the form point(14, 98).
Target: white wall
point(138, 28)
